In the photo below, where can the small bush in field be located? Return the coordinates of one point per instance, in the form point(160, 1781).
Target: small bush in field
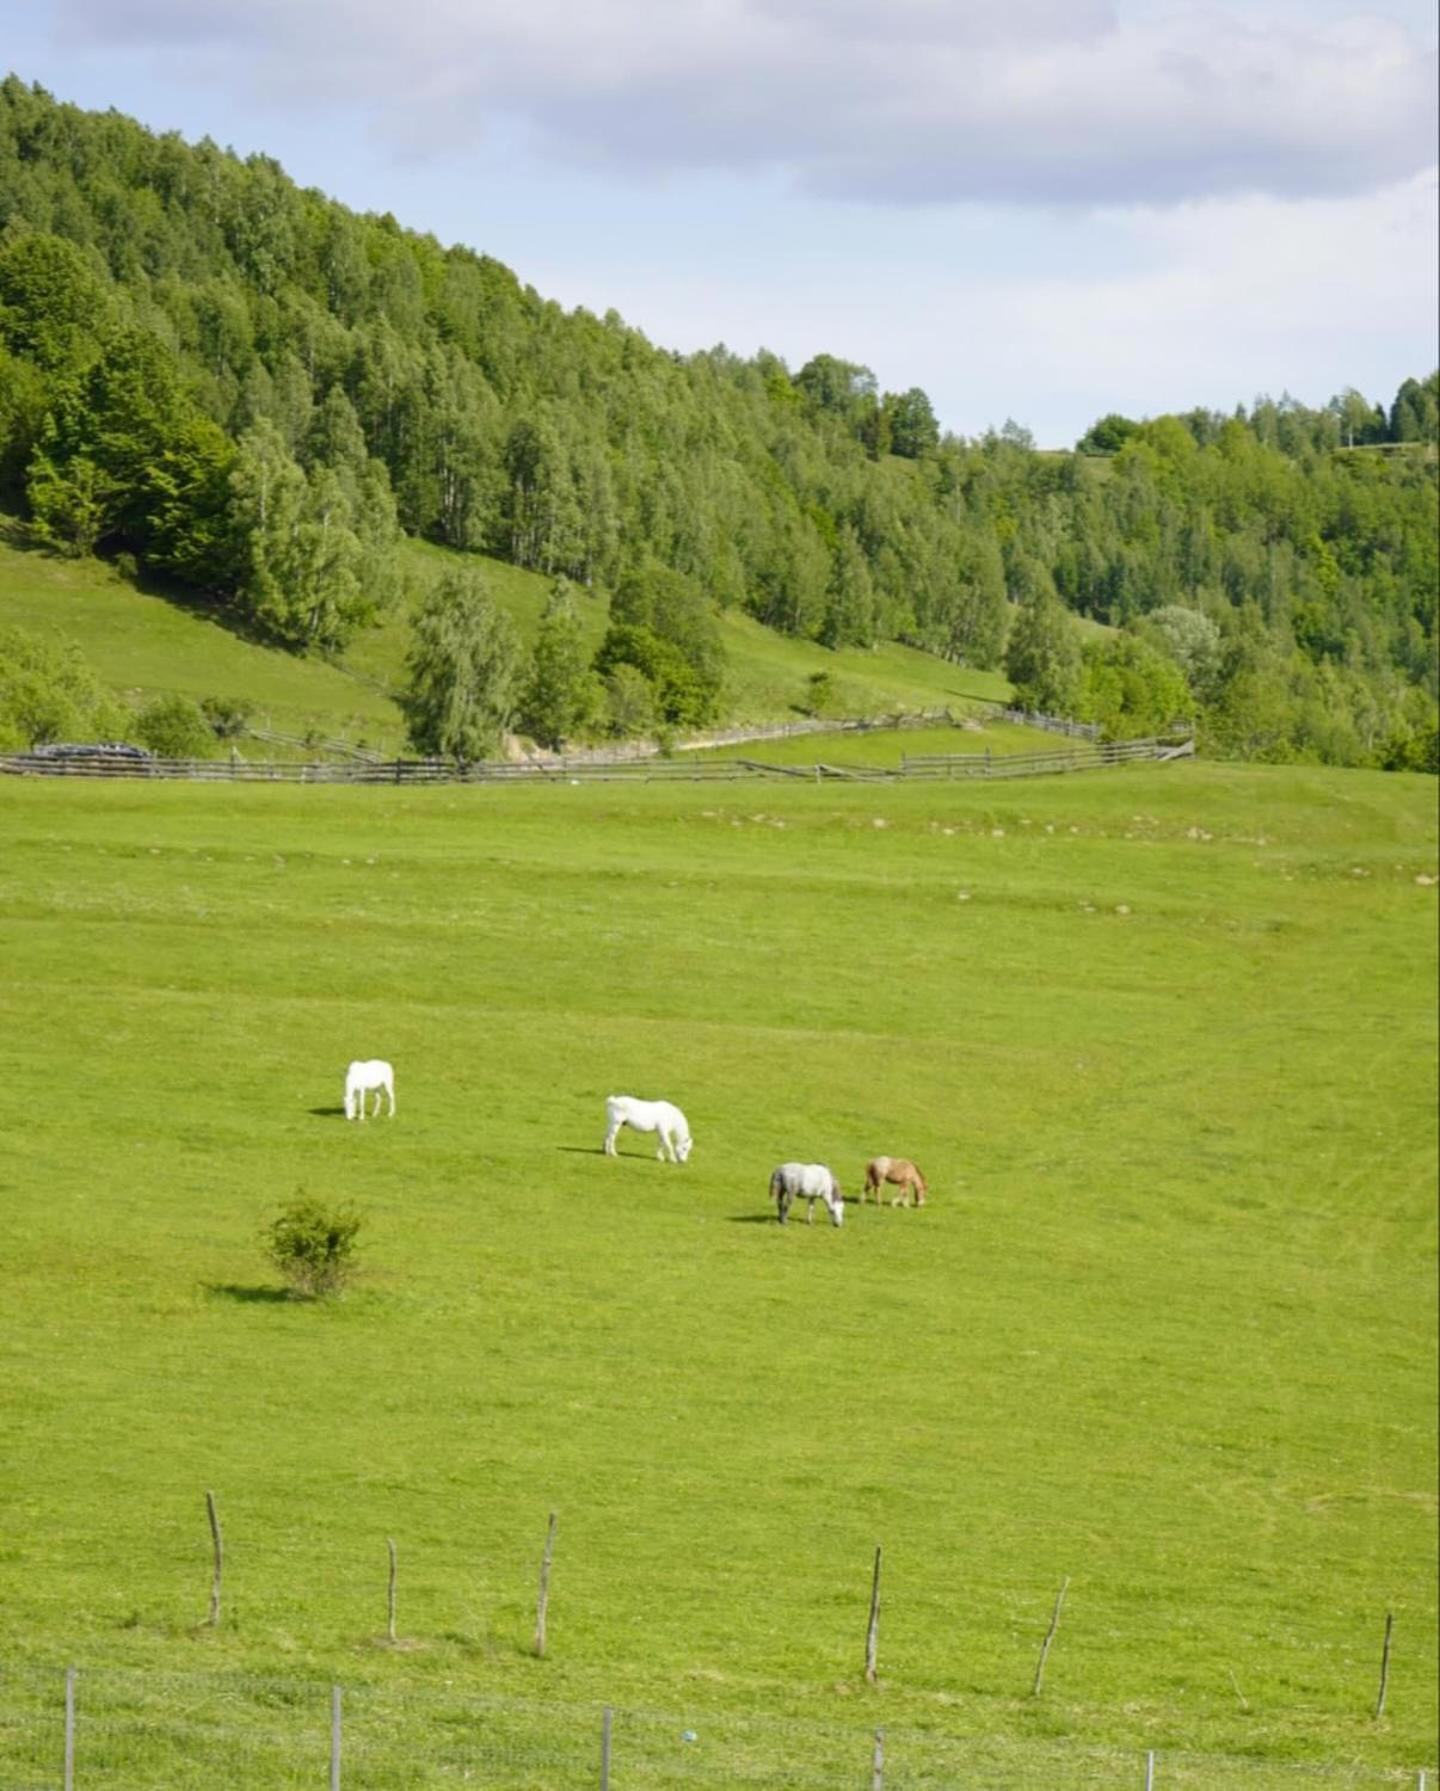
point(820, 694)
point(227, 716)
point(313, 1246)
point(174, 728)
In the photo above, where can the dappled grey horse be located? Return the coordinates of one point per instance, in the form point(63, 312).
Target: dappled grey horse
point(808, 1182)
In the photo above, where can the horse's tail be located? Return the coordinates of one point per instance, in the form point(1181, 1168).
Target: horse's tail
point(777, 1184)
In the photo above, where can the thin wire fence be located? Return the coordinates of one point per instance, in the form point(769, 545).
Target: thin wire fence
point(123, 1730)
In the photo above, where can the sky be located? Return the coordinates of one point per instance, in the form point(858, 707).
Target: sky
point(1038, 210)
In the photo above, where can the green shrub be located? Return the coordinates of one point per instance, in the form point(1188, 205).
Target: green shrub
point(313, 1246)
point(173, 728)
point(629, 701)
point(819, 698)
point(48, 692)
point(226, 716)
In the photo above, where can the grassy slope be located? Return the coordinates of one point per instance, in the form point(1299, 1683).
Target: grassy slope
point(1167, 1326)
point(883, 748)
point(143, 644)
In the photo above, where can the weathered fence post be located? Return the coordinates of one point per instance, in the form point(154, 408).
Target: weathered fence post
point(1150, 1770)
point(1385, 1666)
point(69, 1729)
point(877, 1763)
point(1049, 1637)
point(542, 1603)
point(218, 1543)
point(873, 1629)
point(334, 1738)
point(390, 1544)
point(605, 1749)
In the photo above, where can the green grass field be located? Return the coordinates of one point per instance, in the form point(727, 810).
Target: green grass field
point(1164, 1041)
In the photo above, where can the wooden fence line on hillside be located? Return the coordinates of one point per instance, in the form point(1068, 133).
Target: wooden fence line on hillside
point(1049, 724)
point(1093, 756)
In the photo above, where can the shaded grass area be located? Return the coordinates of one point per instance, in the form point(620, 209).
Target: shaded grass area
point(1162, 1040)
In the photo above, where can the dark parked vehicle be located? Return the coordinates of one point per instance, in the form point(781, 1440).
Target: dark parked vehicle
point(102, 755)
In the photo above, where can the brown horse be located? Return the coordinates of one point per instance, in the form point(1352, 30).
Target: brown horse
point(894, 1169)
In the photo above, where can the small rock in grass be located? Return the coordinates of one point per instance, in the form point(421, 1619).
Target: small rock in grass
point(997, 833)
point(1122, 907)
point(1424, 881)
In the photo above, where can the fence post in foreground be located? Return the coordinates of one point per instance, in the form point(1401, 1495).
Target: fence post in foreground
point(542, 1603)
point(877, 1763)
point(334, 1738)
point(217, 1542)
point(70, 1729)
point(873, 1629)
point(1385, 1665)
point(1049, 1637)
point(1150, 1770)
point(605, 1749)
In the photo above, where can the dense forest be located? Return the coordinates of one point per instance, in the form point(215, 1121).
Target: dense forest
point(252, 389)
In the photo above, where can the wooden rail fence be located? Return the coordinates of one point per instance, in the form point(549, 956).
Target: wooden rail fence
point(1092, 756)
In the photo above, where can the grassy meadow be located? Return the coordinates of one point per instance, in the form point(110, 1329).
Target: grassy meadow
point(1164, 1041)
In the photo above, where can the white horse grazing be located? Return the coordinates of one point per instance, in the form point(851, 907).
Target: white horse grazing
point(648, 1116)
point(808, 1182)
point(371, 1075)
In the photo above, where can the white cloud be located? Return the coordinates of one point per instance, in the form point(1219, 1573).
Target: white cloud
point(1209, 304)
point(1069, 102)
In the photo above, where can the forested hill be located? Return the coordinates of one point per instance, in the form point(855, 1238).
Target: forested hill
point(251, 388)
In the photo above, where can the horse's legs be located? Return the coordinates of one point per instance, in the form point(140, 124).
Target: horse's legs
point(610, 1138)
point(783, 1201)
point(810, 1210)
point(390, 1090)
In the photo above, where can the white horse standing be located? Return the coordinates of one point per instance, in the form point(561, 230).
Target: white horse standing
point(808, 1182)
point(366, 1076)
point(648, 1116)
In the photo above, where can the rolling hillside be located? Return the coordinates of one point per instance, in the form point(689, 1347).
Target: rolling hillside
point(152, 642)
